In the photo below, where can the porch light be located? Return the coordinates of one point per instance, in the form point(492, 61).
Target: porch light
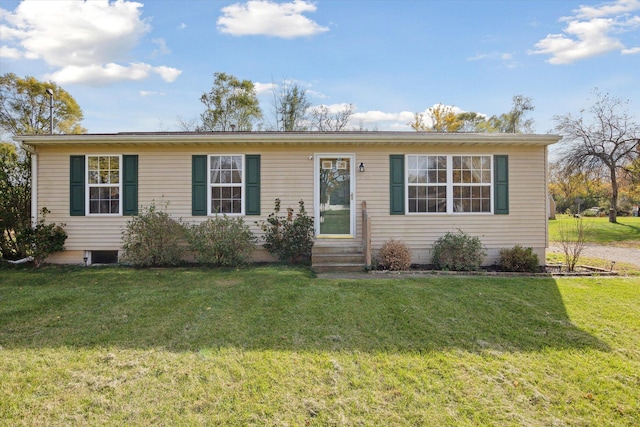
point(361, 167)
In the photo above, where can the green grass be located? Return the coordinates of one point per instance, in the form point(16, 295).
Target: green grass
point(626, 232)
point(276, 346)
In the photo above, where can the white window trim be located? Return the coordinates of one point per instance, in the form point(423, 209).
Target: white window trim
point(449, 184)
point(210, 185)
point(87, 185)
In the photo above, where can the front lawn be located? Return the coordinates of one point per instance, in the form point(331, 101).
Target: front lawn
point(276, 346)
point(626, 232)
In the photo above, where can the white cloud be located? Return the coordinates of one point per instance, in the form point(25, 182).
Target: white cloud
point(9, 52)
point(264, 17)
point(105, 74)
point(631, 51)
point(591, 31)
point(168, 74)
point(506, 59)
point(182, 26)
point(80, 37)
point(161, 48)
point(151, 93)
point(264, 87)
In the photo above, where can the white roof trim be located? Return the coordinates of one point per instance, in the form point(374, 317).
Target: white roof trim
point(292, 138)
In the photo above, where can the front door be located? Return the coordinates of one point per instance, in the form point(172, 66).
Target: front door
point(334, 195)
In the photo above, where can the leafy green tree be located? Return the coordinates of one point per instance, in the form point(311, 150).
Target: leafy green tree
point(15, 203)
point(230, 103)
point(443, 118)
point(514, 121)
point(609, 140)
point(25, 107)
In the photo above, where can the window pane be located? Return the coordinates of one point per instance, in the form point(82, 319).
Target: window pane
point(413, 205)
point(92, 163)
point(413, 178)
point(103, 163)
point(422, 162)
point(486, 162)
point(412, 162)
point(114, 177)
point(115, 206)
point(422, 205)
point(457, 162)
point(225, 177)
point(94, 206)
point(114, 163)
point(225, 162)
point(104, 206)
point(236, 177)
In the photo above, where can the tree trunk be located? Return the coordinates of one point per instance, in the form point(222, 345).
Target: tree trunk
point(613, 211)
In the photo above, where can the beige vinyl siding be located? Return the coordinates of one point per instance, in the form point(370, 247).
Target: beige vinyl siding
point(164, 176)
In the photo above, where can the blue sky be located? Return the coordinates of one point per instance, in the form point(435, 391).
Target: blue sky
point(139, 66)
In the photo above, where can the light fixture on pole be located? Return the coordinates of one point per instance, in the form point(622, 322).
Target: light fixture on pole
point(50, 93)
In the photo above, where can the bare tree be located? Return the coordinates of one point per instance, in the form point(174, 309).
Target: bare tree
point(291, 106)
point(325, 120)
point(610, 140)
point(573, 239)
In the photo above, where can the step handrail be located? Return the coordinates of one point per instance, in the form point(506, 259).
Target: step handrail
point(366, 234)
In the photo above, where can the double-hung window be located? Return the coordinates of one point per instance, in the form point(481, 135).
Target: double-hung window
point(449, 183)
point(104, 178)
point(226, 184)
point(427, 183)
point(471, 183)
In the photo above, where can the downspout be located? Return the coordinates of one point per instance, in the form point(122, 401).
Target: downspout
point(546, 198)
point(34, 189)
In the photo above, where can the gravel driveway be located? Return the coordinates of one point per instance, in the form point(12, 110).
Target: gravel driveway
point(610, 253)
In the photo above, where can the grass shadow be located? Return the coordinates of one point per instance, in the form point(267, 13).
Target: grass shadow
point(281, 309)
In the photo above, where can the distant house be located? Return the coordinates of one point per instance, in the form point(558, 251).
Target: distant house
point(415, 186)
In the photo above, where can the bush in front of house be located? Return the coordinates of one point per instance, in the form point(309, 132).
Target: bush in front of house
point(519, 259)
point(42, 239)
point(222, 241)
point(289, 238)
point(458, 252)
point(152, 238)
point(394, 255)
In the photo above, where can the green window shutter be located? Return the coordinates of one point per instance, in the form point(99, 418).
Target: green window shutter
point(199, 185)
point(130, 185)
point(252, 184)
point(500, 184)
point(396, 178)
point(77, 186)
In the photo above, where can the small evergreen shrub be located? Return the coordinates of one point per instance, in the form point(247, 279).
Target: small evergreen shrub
point(222, 241)
point(153, 238)
point(519, 259)
point(288, 238)
point(458, 252)
point(394, 255)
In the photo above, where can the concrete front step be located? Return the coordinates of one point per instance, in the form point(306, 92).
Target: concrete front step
point(337, 256)
point(337, 268)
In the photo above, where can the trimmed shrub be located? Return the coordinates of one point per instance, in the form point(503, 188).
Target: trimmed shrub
point(222, 241)
point(394, 255)
point(458, 252)
point(519, 259)
point(288, 238)
point(153, 238)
